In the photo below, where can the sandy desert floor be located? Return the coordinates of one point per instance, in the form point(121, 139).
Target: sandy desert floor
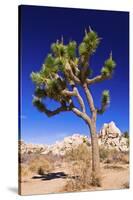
point(113, 177)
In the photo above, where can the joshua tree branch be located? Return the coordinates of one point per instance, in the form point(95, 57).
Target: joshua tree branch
point(80, 100)
point(72, 76)
point(68, 93)
point(89, 98)
point(75, 93)
point(97, 79)
point(41, 106)
point(82, 115)
point(90, 102)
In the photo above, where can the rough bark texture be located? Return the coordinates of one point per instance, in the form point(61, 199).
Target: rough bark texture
point(94, 138)
point(95, 153)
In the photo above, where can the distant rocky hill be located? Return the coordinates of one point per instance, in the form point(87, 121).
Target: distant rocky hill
point(109, 137)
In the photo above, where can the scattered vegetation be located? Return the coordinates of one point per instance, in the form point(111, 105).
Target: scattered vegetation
point(81, 153)
point(80, 177)
point(80, 162)
point(35, 164)
point(126, 135)
point(113, 156)
point(24, 171)
point(104, 153)
point(40, 165)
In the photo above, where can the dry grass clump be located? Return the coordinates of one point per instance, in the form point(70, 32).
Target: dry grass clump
point(24, 171)
point(80, 176)
point(82, 152)
point(118, 157)
point(113, 156)
point(104, 154)
point(40, 166)
point(36, 165)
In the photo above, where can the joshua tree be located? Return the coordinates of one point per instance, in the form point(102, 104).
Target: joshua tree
point(65, 77)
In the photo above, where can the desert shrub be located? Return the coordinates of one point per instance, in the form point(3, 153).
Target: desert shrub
point(123, 157)
point(113, 156)
point(23, 158)
point(126, 134)
point(40, 165)
point(33, 166)
point(24, 171)
point(44, 167)
point(80, 177)
point(118, 157)
point(80, 153)
point(41, 170)
point(104, 153)
point(80, 172)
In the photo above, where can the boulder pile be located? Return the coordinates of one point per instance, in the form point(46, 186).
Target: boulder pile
point(110, 137)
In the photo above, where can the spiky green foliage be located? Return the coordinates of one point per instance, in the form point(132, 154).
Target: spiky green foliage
point(37, 103)
point(64, 65)
point(89, 44)
point(105, 101)
point(108, 67)
point(58, 49)
point(40, 92)
point(71, 49)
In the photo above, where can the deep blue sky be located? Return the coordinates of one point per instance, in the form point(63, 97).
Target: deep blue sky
point(40, 26)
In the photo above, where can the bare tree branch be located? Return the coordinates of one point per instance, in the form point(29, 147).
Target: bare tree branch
point(75, 92)
point(89, 98)
point(97, 79)
point(82, 115)
point(80, 100)
point(68, 93)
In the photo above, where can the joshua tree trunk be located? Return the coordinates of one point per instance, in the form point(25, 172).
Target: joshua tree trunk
point(94, 139)
point(95, 154)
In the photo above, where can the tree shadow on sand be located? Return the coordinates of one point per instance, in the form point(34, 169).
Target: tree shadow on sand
point(50, 176)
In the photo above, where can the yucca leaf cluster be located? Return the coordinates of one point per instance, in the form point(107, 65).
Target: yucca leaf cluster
point(108, 67)
point(105, 101)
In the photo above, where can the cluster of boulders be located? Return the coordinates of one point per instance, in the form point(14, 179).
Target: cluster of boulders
point(110, 137)
point(31, 148)
point(61, 147)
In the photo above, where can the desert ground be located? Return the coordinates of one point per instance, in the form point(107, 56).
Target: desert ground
point(41, 174)
point(66, 165)
point(113, 177)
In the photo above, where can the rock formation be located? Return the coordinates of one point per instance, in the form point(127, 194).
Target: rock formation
point(110, 137)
